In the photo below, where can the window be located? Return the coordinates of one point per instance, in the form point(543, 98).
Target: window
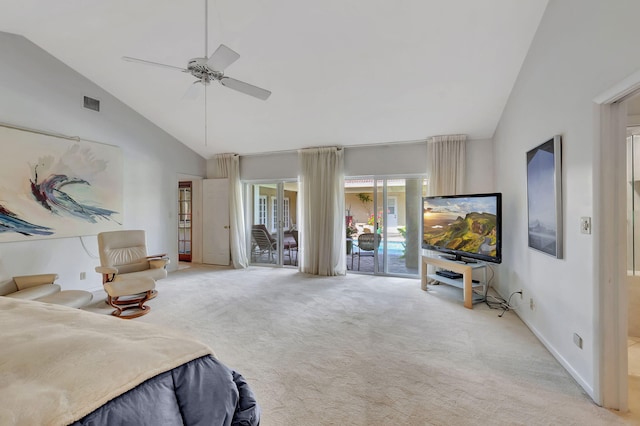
point(285, 214)
point(274, 214)
point(262, 210)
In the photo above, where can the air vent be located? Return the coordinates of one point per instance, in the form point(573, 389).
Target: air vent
point(91, 103)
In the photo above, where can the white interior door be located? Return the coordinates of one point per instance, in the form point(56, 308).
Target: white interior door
point(215, 222)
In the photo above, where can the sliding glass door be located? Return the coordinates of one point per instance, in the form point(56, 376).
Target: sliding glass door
point(388, 208)
point(271, 213)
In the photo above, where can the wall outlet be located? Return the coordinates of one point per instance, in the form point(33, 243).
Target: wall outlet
point(585, 225)
point(83, 275)
point(532, 305)
point(577, 340)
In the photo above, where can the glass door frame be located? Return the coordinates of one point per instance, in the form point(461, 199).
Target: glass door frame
point(379, 215)
point(633, 195)
point(279, 221)
point(380, 190)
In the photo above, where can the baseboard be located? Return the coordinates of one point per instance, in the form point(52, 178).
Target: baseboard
point(577, 377)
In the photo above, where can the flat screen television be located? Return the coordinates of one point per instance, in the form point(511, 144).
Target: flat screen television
point(463, 227)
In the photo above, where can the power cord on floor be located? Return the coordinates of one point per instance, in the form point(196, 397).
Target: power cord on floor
point(500, 303)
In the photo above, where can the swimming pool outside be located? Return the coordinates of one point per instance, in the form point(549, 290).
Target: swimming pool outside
point(395, 260)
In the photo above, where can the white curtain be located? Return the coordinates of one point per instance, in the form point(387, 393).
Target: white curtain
point(322, 227)
point(445, 168)
point(228, 166)
point(446, 164)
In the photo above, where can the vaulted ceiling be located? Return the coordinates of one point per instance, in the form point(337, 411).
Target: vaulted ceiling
point(342, 72)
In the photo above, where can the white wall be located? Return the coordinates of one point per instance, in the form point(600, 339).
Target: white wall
point(282, 165)
point(581, 49)
point(480, 173)
point(39, 92)
point(384, 159)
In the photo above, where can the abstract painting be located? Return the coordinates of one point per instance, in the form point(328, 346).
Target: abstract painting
point(544, 197)
point(55, 187)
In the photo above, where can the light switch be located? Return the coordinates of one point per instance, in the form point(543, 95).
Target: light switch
point(585, 225)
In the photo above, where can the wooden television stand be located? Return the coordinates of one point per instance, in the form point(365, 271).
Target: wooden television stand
point(466, 282)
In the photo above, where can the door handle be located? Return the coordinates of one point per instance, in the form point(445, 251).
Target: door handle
point(226, 227)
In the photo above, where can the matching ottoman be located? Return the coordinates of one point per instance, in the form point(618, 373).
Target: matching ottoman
point(128, 296)
point(42, 288)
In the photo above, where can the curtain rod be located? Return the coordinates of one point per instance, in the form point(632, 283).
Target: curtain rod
point(55, 135)
point(369, 145)
point(40, 132)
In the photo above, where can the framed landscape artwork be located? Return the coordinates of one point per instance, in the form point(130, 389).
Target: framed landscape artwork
point(544, 197)
point(54, 187)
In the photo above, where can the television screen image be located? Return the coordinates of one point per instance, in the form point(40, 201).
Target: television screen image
point(464, 227)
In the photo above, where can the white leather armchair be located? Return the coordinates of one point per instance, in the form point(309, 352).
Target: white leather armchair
point(123, 255)
point(128, 273)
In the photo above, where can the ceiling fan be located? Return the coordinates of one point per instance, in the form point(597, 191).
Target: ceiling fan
point(212, 68)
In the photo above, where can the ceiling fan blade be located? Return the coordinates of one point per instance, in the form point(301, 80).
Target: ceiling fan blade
point(222, 58)
point(142, 61)
point(246, 88)
point(193, 92)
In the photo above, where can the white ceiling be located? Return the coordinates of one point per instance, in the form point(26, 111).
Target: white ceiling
point(342, 72)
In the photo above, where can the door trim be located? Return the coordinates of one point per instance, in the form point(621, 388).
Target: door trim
point(611, 309)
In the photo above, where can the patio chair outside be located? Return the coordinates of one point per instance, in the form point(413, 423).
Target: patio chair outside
point(263, 243)
point(367, 245)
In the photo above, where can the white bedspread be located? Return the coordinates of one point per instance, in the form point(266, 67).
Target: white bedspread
point(58, 364)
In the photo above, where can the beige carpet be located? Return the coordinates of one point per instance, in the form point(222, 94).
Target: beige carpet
point(363, 350)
